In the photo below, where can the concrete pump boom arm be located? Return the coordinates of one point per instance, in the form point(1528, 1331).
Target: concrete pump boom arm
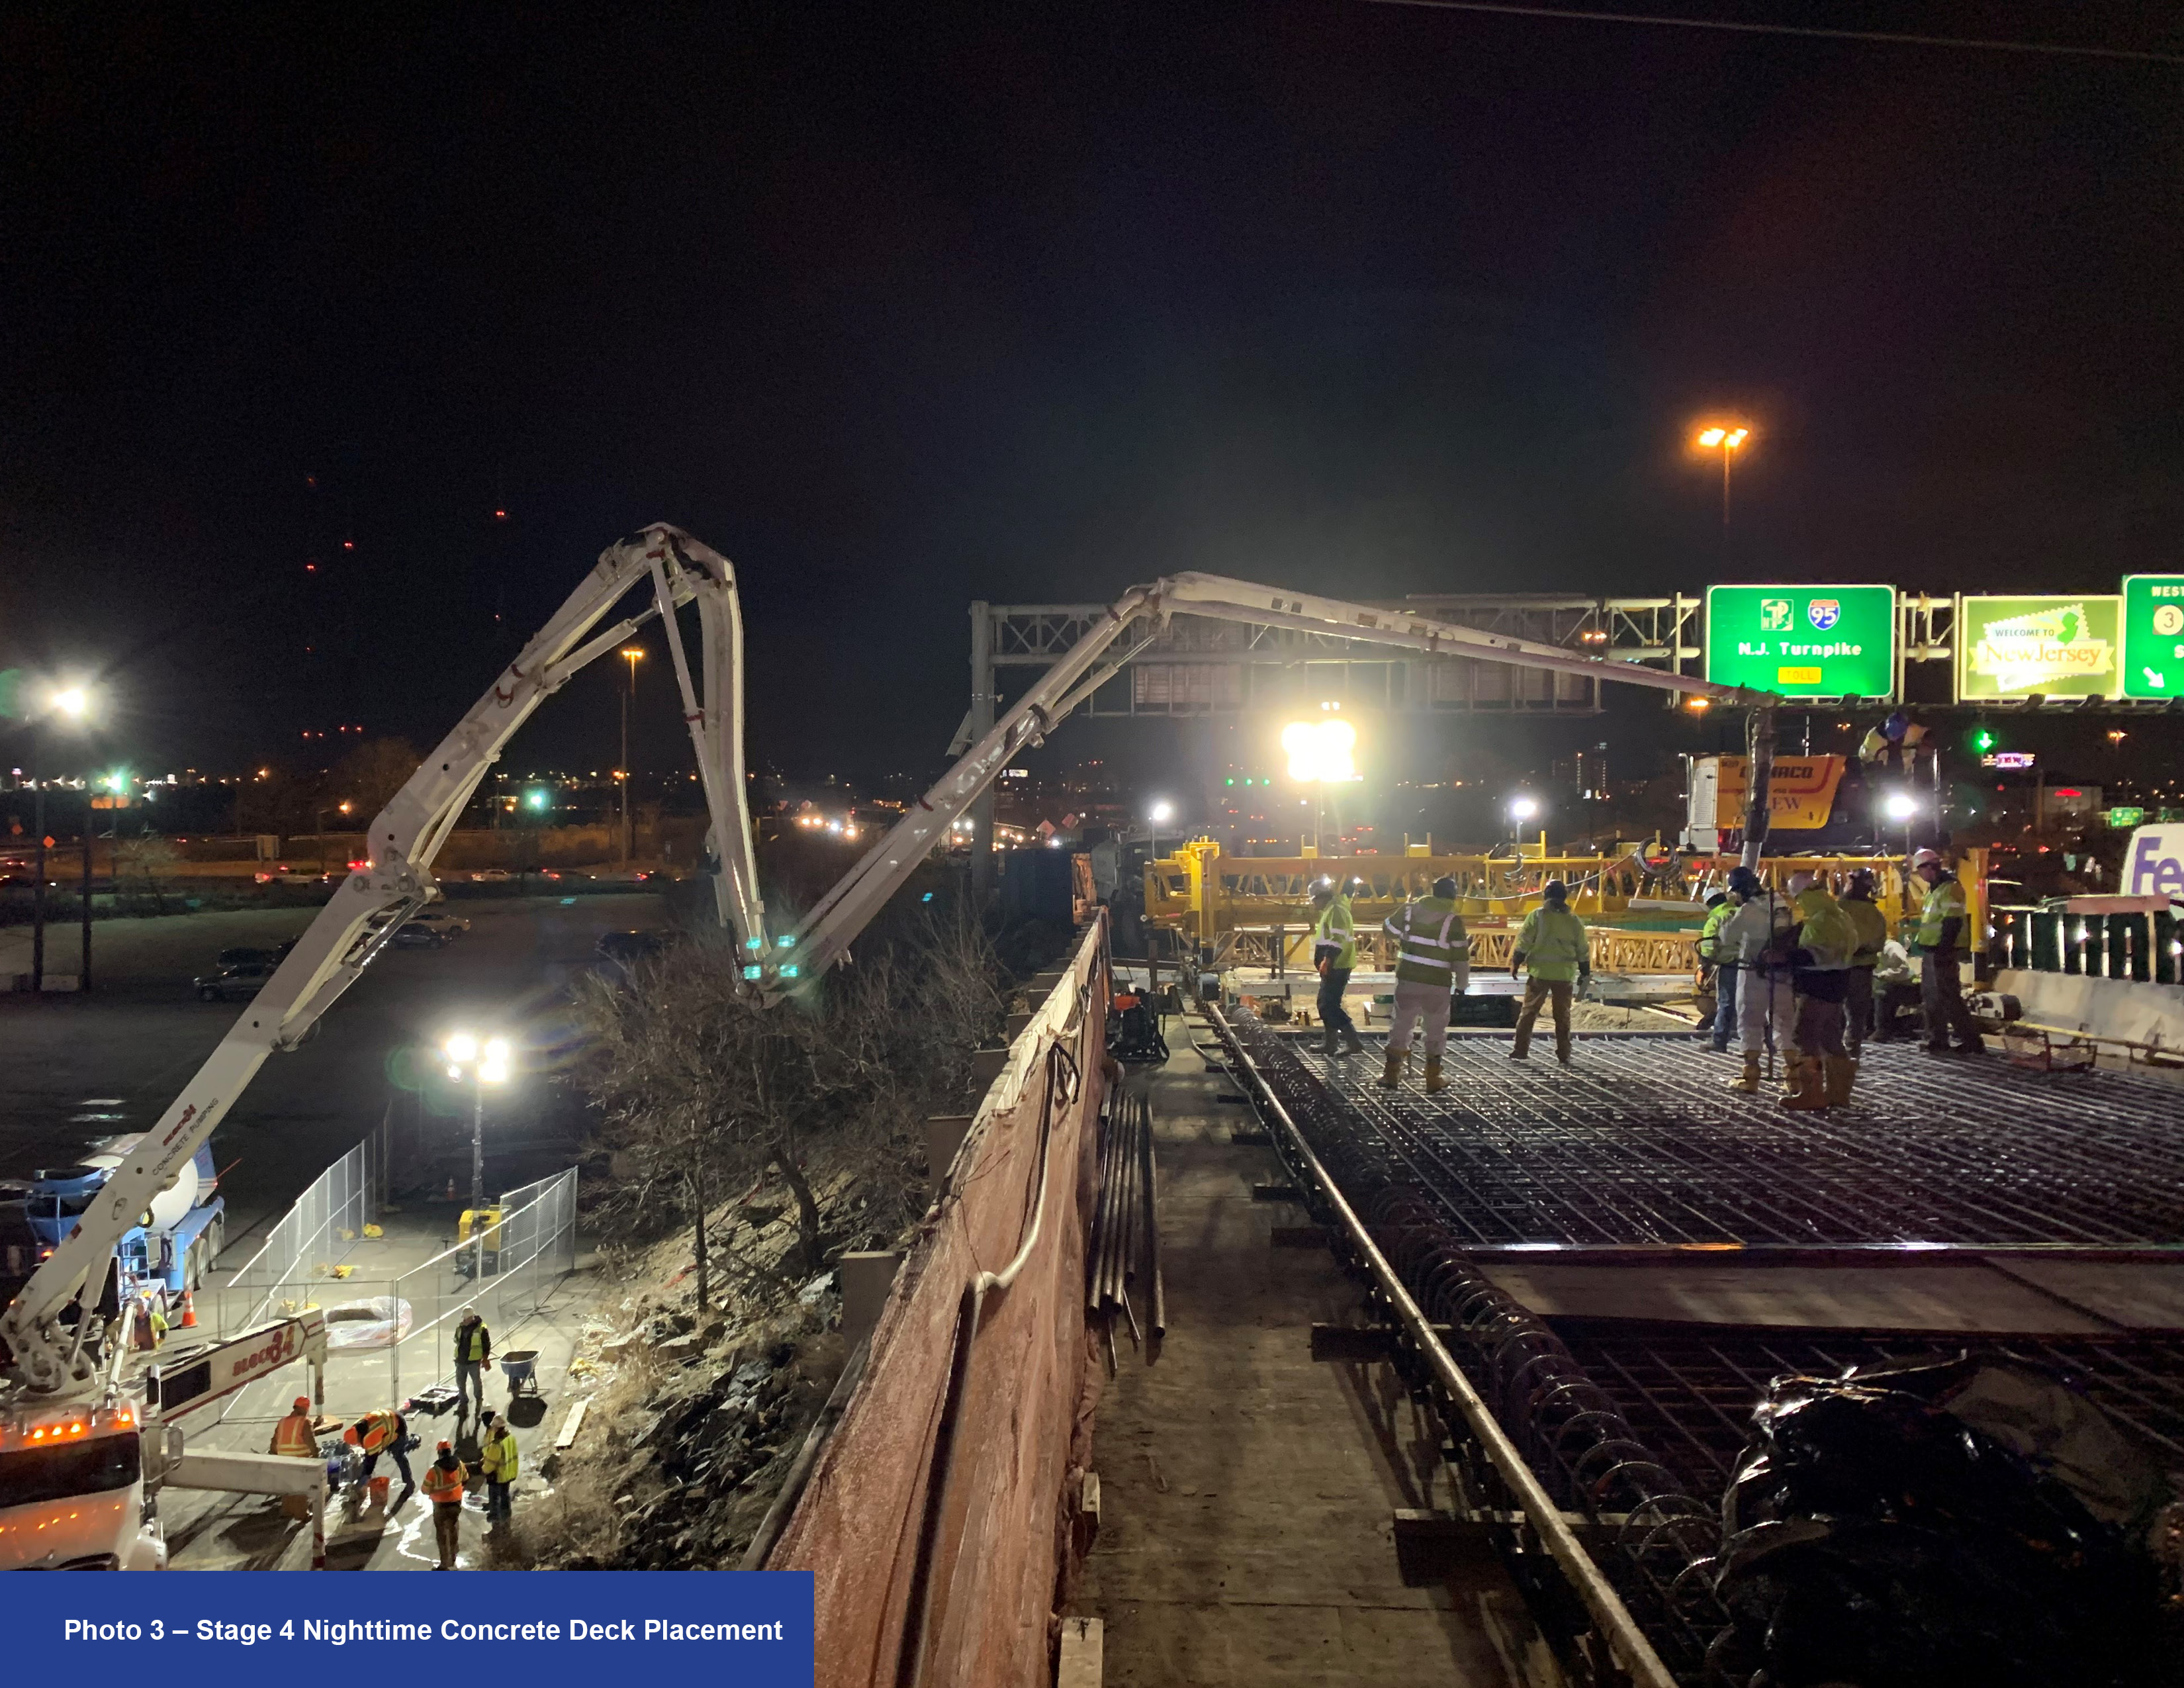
point(396, 881)
point(828, 930)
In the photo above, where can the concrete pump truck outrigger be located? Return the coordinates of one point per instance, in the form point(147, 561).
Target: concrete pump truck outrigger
point(58, 1358)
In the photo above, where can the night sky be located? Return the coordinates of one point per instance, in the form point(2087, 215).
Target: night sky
point(904, 306)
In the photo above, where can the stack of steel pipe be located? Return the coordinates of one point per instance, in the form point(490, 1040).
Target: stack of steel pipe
point(1124, 1258)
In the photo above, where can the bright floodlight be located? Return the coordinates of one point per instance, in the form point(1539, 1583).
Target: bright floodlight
point(1711, 437)
point(1321, 752)
point(492, 1073)
point(1522, 808)
point(71, 700)
point(462, 1049)
point(1162, 812)
point(496, 1051)
point(1901, 805)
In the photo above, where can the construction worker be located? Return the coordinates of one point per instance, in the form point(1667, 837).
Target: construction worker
point(1939, 943)
point(1432, 966)
point(294, 1437)
point(473, 1359)
point(1720, 906)
point(383, 1432)
point(1872, 933)
point(443, 1489)
point(1552, 942)
point(1334, 955)
point(1765, 999)
point(1823, 941)
point(497, 1459)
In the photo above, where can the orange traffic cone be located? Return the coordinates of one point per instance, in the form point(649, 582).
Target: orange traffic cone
point(189, 1313)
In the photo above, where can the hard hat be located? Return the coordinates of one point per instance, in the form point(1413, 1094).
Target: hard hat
point(1803, 881)
point(446, 1447)
point(1925, 858)
point(302, 1403)
point(1862, 880)
point(1716, 899)
point(350, 1436)
point(1444, 887)
point(1323, 887)
point(1743, 881)
point(1555, 891)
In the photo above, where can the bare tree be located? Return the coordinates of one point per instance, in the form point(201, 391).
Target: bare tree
point(709, 1087)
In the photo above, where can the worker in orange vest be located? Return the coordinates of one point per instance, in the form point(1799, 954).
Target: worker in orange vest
point(294, 1436)
point(383, 1432)
point(443, 1487)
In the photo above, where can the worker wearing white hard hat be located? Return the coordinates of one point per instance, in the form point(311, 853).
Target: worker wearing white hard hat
point(1756, 936)
point(1940, 942)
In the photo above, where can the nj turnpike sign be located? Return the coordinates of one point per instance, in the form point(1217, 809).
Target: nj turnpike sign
point(1803, 641)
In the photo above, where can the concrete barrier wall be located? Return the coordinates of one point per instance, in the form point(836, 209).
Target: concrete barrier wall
point(969, 1565)
point(2133, 1010)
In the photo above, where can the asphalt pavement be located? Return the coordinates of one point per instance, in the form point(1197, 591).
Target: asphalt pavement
point(84, 1067)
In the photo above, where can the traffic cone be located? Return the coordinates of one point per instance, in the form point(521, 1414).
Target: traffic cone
point(189, 1311)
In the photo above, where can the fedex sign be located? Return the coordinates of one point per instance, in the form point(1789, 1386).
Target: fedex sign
point(2154, 864)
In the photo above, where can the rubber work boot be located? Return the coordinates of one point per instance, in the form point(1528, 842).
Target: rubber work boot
point(1748, 1080)
point(1392, 1070)
point(1793, 1076)
point(1351, 1043)
point(1327, 1044)
point(1433, 1080)
point(1810, 1077)
point(1841, 1072)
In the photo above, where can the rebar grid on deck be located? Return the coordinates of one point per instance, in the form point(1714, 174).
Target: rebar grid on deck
point(1689, 1396)
point(1641, 1143)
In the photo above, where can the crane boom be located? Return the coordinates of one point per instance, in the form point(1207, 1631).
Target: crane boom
point(397, 881)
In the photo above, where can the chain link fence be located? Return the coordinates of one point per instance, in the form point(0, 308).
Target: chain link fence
point(310, 1240)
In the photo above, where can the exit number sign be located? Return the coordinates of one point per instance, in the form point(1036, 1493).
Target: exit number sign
point(2153, 636)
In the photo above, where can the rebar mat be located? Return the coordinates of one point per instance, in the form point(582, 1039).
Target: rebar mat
point(1641, 1142)
point(1689, 1397)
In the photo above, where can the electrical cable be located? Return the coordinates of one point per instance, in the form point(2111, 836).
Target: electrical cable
point(1730, 26)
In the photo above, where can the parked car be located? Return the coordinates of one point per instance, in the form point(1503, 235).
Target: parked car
point(286, 875)
point(490, 876)
point(448, 926)
point(415, 934)
point(247, 955)
point(232, 985)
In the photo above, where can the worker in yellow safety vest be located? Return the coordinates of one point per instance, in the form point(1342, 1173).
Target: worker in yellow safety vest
point(1940, 944)
point(1334, 957)
point(1433, 967)
point(1552, 943)
point(499, 1460)
point(1822, 942)
point(1872, 934)
point(473, 1359)
point(443, 1488)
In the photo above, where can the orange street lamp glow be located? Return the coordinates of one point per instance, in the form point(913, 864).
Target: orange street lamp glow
point(1725, 437)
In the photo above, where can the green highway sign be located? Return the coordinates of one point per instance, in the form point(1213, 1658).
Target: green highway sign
point(2052, 647)
point(2153, 636)
point(1803, 641)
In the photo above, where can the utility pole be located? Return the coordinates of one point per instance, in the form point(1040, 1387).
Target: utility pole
point(83, 977)
point(38, 880)
point(632, 655)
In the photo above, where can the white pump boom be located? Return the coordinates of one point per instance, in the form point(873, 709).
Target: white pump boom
point(404, 840)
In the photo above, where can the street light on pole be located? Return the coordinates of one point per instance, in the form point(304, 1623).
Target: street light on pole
point(1522, 809)
point(1160, 813)
point(1903, 808)
point(1725, 437)
point(633, 655)
point(483, 1062)
point(70, 703)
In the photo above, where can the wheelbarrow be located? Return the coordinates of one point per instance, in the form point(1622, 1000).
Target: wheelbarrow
point(520, 1365)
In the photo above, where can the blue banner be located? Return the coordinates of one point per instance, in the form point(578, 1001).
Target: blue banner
point(221, 1629)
